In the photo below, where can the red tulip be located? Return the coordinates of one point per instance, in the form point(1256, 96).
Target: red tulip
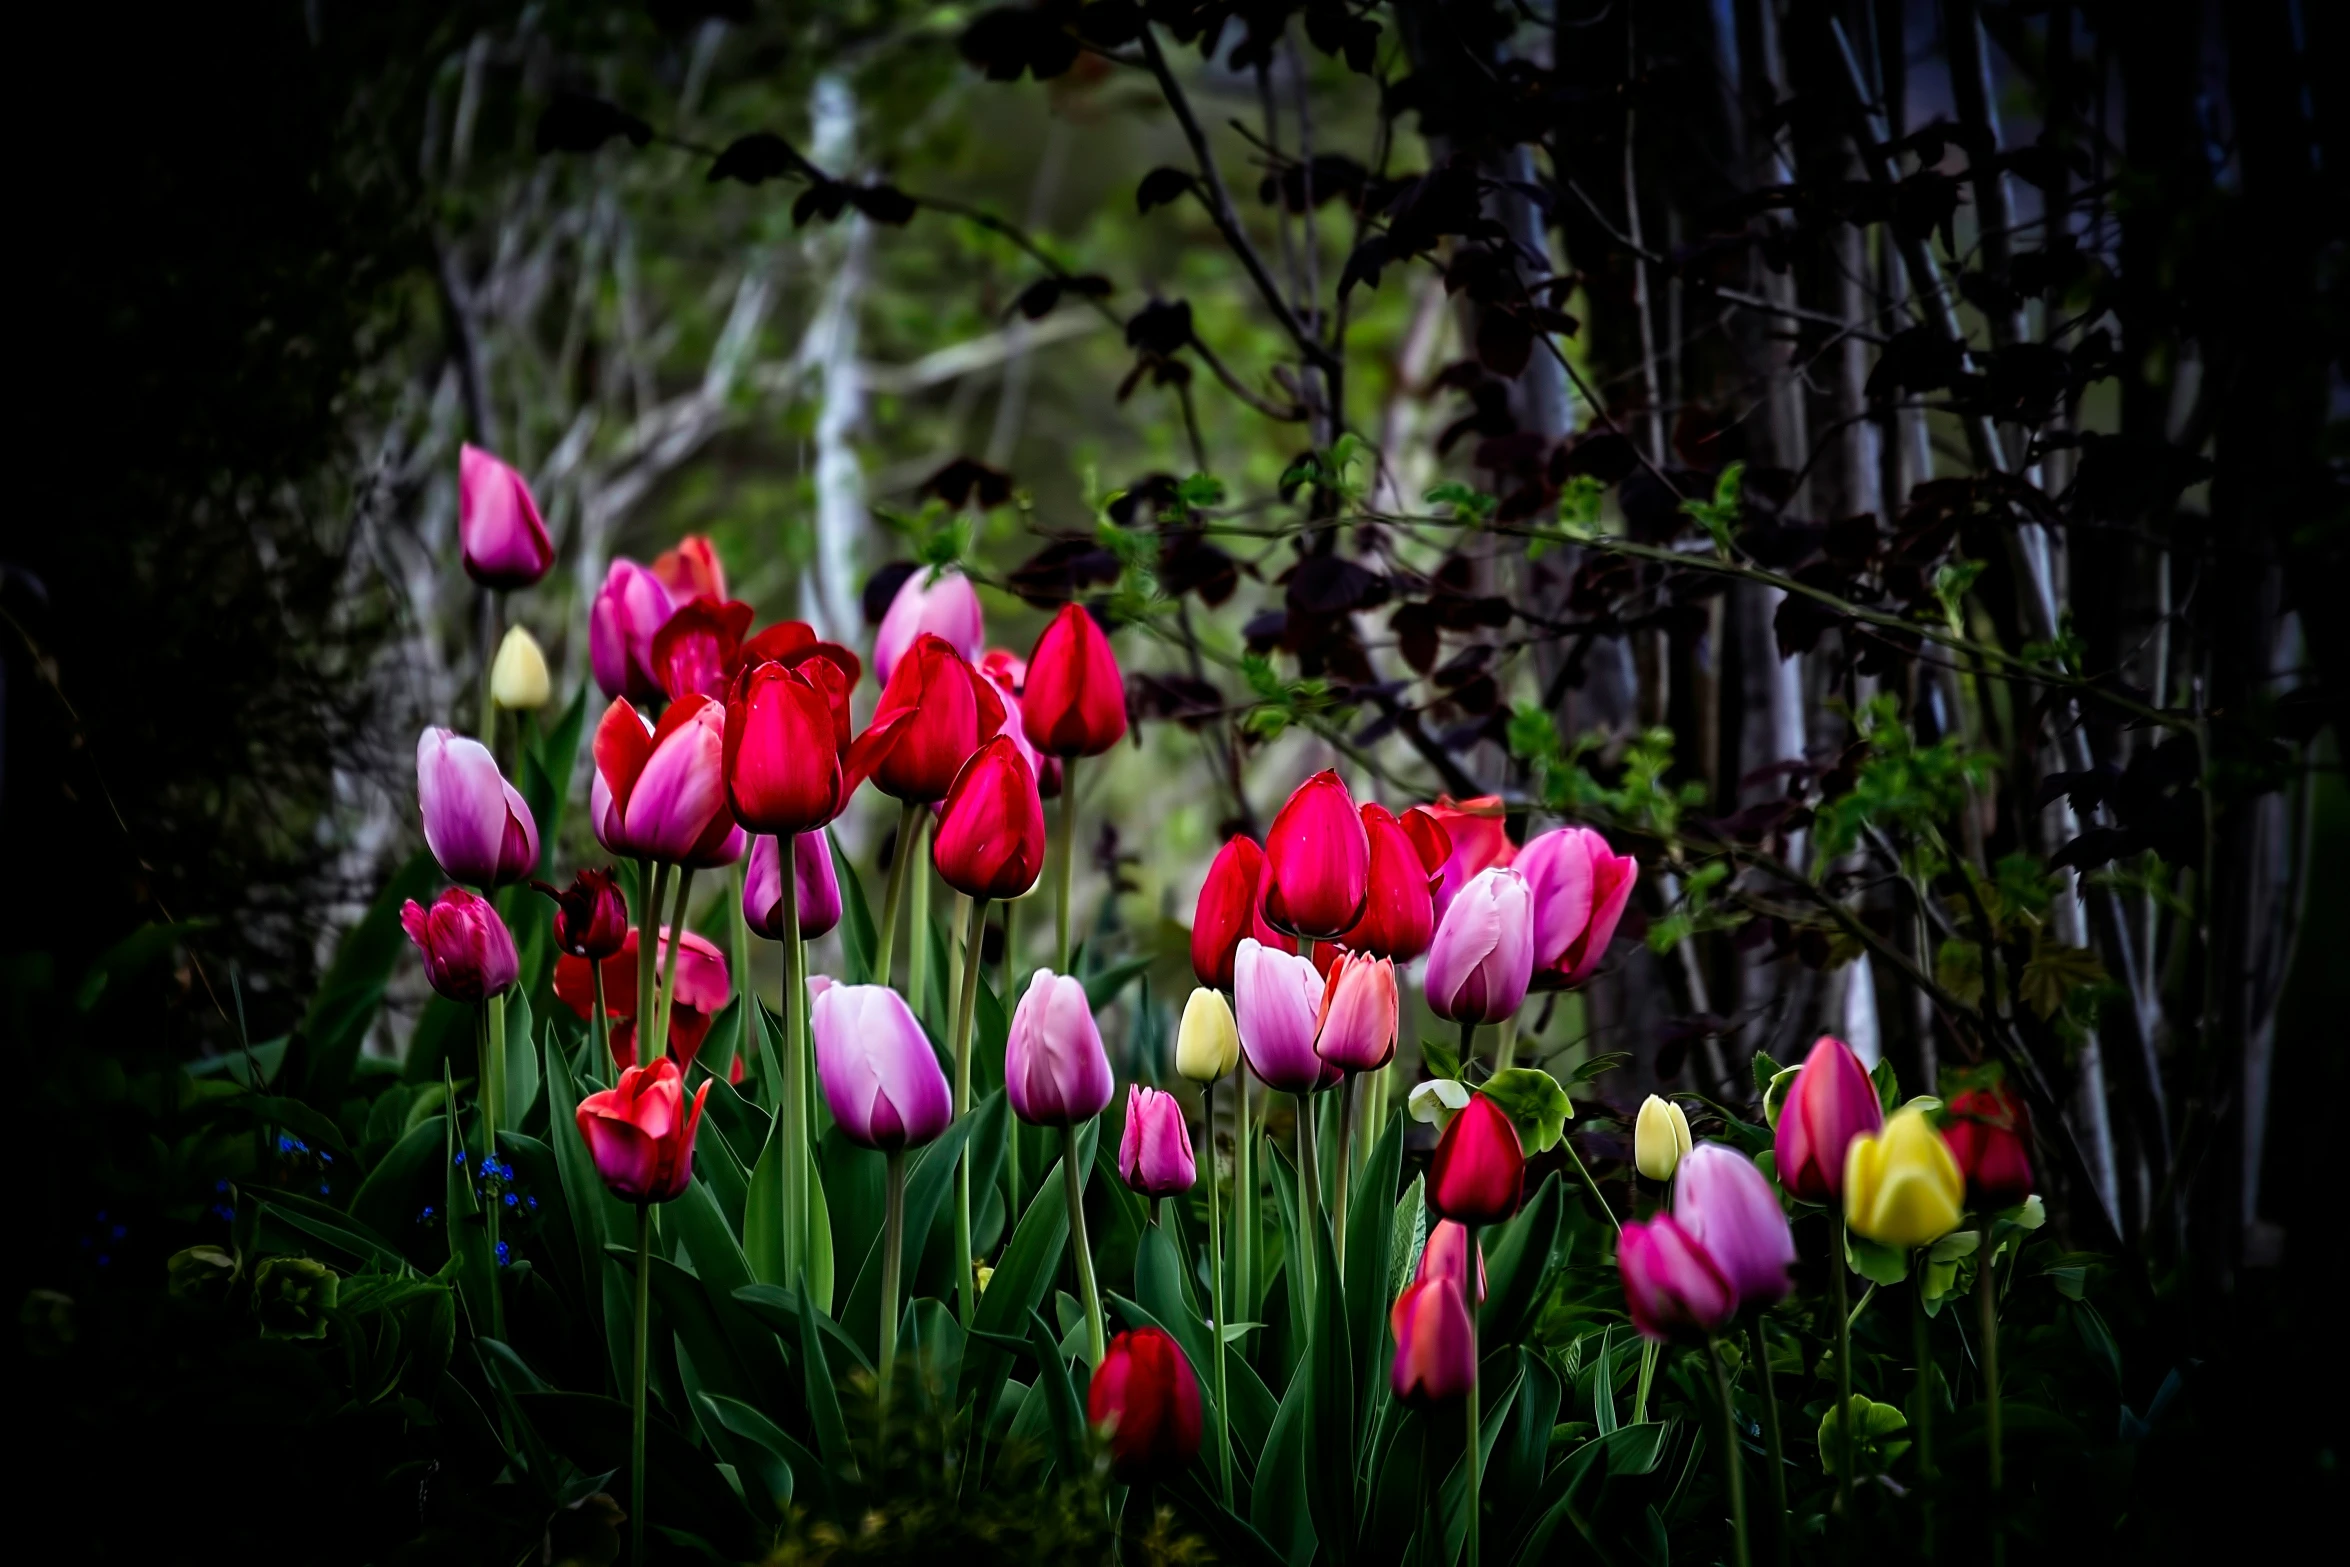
point(1317, 861)
point(697, 647)
point(947, 608)
point(498, 525)
point(1990, 1136)
point(1478, 841)
point(703, 990)
point(1074, 703)
point(1435, 1345)
point(1399, 913)
point(662, 795)
point(591, 915)
point(782, 755)
point(630, 609)
point(935, 711)
point(1832, 1102)
point(1580, 888)
point(1231, 909)
point(1447, 1254)
point(468, 951)
point(1478, 1174)
point(990, 837)
point(1672, 1285)
point(793, 644)
point(692, 570)
point(1146, 1395)
point(1356, 1028)
point(817, 887)
point(1006, 672)
point(641, 1131)
point(1154, 1152)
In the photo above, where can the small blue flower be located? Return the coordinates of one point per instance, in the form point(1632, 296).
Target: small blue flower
point(503, 1258)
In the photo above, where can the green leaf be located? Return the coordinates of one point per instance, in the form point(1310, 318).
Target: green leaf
point(858, 942)
point(823, 1399)
point(1277, 1504)
point(469, 1236)
point(696, 1219)
point(1523, 1453)
point(928, 1185)
point(1019, 1283)
point(1765, 1070)
point(1518, 1264)
point(1407, 1234)
point(589, 1206)
point(1330, 1428)
point(1887, 1084)
point(760, 1466)
point(1370, 1235)
point(1872, 1425)
point(1065, 1415)
point(682, 1483)
point(1442, 1057)
point(763, 1210)
point(2054, 971)
point(1102, 987)
point(348, 998)
point(1535, 1102)
point(1878, 1264)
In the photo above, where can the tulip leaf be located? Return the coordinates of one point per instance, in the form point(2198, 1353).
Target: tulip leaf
point(1628, 1451)
point(1103, 985)
point(929, 1182)
point(1523, 1453)
point(1277, 1504)
point(1136, 1315)
point(1407, 1235)
point(1888, 1086)
point(1500, 1393)
point(803, 1473)
point(1231, 1535)
point(1057, 1396)
point(1536, 1104)
point(1399, 1501)
point(1441, 1057)
point(1517, 1264)
point(1331, 1436)
point(348, 998)
point(1879, 1264)
point(469, 1235)
point(823, 1398)
point(1022, 1275)
point(1370, 1233)
point(335, 1228)
point(593, 1432)
point(858, 943)
point(404, 1182)
point(764, 1249)
point(697, 1219)
point(539, 1177)
point(522, 1063)
point(764, 1475)
point(592, 1209)
point(1598, 1066)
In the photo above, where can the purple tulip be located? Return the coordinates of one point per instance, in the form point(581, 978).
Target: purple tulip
point(629, 611)
point(881, 1078)
point(475, 822)
point(468, 952)
point(1672, 1285)
point(1277, 1000)
point(1483, 954)
point(948, 608)
point(1727, 1206)
point(819, 890)
point(498, 524)
point(1154, 1155)
point(1055, 1071)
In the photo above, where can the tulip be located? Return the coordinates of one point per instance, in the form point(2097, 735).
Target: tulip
point(1145, 1395)
point(793, 644)
point(1903, 1188)
point(661, 795)
point(1435, 1344)
point(1008, 672)
point(1055, 1071)
point(1989, 1135)
point(1483, 954)
point(1478, 1173)
point(1006, 668)
point(990, 837)
point(505, 540)
point(1399, 914)
point(1447, 1254)
point(519, 682)
point(818, 887)
point(477, 824)
point(641, 1131)
point(1475, 840)
point(1580, 888)
point(702, 990)
point(1659, 1138)
point(1278, 1003)
point(1154, 1152)
point(697, 647)
point(1831, 1102)
point(1726, 1204)
point(468, 951)
point(942, 604)
point(1207, 1043)
point(591, 915)
point(1356, 1026)
point(881, 1078)
point(782, 760)
point(934, 712)
point(692, 570)
point(630, 609)
point(1230, 909)
point(1317, 862)
point(1672, 1285)
point(1074, 700)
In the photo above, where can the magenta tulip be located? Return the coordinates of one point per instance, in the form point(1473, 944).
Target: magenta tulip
point(1831, 1102)
point(1435, 1345)
point(1073, 700)
point(475, 822)
point(1055, 1071)
point(1317, 861)
point(1154, 1153)
point(817, 886)
point(661, 794)
point(1672, 1285)
point(468, 951)
point(1356, 1027)
point(1580, 888)
point(1277, 1000)
point(498, 524)
point(881, 1078)
point(1483, 955)
point(1144, 1397)
point(628, 613)
point(1478, 1172)
point(947, 608)
point(1727, 1206)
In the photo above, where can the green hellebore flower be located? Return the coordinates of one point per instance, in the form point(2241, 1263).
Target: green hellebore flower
point(292, 1296)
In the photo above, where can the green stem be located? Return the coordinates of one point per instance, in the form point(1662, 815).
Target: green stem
point(1731, 1458)
point(966, 1007)
point(668, 993)
point(1568, 1143)
point(909, 814)
point(651, 882)
point(1468, 1047)
point(919, 876)
point(1346, 1126)
point(1987, 1305)
point(1844, 1454)
point(1505, 1045)
point(1068, 858)
point(1762, 1364)
point(493, 1111)
point(1922, 1340)
point(1011, 1124)
point(1247, 1213)
point(1309, 1188)
point(1216, 1283)
point(603, 1024)
point(893, 1246)
point(1073, 1188)
point(644, 1342)
point(740, 948)
point(490, 616)
point(797, 1132)
point(1475, 1457)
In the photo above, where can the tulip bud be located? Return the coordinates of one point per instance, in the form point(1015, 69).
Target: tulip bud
point(1074, 701)
point(1399, 914)
point(1317, 862)
point(692, 570)
point(1207, 1044)
point(662, 795)
point(1902, 1188)
point(1832, 1102)
point(1230, 909)
point(1435, 1345)
point(1478, 1173)
point(1579, 888)
point(782, 754)
point(1277, 1002)
point(1672, 1286)
point(947, 608)
point(881, 1079)
point(1146, 1396)
point(1475, 837)
point(1355, 1028)
point(935, 711)
point(1989, 1135)
point(640, 1132)
point(477, 824)
point(818, 888)
point(468, 952)
point(1055, 1071)
point(990, 837)
point(591, 915)
point(1726, 1204)
point(498, 524)
point(293, 1297)
point(1446, 1256)
point(518, 675)
point(1483, 954)
point(1154, 1153)
point(630, 609)
point(1659, 1138)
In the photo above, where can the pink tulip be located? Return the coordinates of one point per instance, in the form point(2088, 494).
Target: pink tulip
point(1317, 861)
point(1435, 1345)
point(881, 1078)
point(1356, 1026)
point(692, 570)
point(1055, 1071)
point(498, 524)
point(629, 611)
point(468, 951)
point(641, 1131)
point(948, 608)
point(661, 794)
point(1580, 887)
point(1447, 1253)
point(1727, 1206)
point(1672, 1285)
point(819, 889)
point(1475, 838)
point(476, 823)
point(1277, 1000)
point(1483, 955)
point(1831, 1103)
point(1154, 1154)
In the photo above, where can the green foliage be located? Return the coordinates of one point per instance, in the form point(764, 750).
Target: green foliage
point(1465, 502)
point(1536, 1104)
point(1642, 798)
point(1719, 516)
point(1899, 788)
point(1282, 703)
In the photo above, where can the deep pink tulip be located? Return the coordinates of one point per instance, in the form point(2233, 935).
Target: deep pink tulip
point(641, 1131)
point(1446, 1254)
point(1230, 910)
point(784, 737)
point(1355, 1028)
point(468, 951)
point(793, 644)
point(990, 837)
point(818, 887)
point(934, 712)
point(1317, 862)
point(1580, 888)
point(1146, 1396)
point(1277, 1000)
point(947, 609)
point(699, 646)
point(1055, 1071)
point(1728, 1207)
point(476, 823)
point(881, 1078)
point(1672, 1285)
point(1475, 839)
point(692, 570)
point(661, 794)
point(1483, 954)
point(1478, 1172)
point(1830, 1103)
point(498, 524)
point(1435, 1346)
point(1073, 702)
point(630, 610)
point(1154, 1152)
point(1399, 915)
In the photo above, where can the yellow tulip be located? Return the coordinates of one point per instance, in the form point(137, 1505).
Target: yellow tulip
point(1207, 1045)
point(518, 675)
point(1901, 1186)
point(1659, 1138)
